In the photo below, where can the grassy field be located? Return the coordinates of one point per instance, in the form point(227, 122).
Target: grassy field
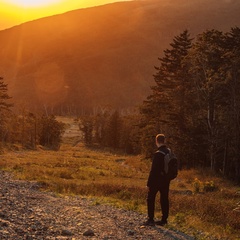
point(202, 205)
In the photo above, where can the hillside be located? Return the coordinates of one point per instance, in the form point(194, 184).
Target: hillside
point(102, 55)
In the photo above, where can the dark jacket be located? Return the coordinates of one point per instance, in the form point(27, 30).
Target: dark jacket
point(157, 174)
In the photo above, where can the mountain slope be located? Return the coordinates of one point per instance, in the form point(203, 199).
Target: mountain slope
point(102, 55)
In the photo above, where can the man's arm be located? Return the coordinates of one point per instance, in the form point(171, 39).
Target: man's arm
point(157, 169)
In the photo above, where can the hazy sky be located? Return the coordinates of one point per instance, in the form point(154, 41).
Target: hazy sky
point(14, 12)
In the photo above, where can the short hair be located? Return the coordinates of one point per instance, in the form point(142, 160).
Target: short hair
point(160, 138)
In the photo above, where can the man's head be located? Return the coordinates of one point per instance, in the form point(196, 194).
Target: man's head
point(160, 139)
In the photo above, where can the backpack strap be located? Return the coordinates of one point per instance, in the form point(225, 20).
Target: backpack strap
point(166, 159)
point(169, 151)
point(161, 152)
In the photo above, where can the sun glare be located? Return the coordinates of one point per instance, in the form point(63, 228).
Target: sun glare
point(14, 12)
point(33, 3)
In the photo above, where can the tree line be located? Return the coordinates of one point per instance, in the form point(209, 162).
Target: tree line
point(195, 101)
point(26, 128)
point(111, 130)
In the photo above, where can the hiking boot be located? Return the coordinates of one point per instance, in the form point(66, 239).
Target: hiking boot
point(149, 222)
point(161, 223)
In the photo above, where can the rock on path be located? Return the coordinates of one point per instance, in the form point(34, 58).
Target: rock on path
point(29, 214)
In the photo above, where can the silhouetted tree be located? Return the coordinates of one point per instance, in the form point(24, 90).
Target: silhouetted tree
point(50, 132)
point(5, 107)
point(130, 134)
point(86, 126)
point(166, 109)
point(113, 130)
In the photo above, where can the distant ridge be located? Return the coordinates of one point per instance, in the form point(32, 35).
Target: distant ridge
point(101, 56)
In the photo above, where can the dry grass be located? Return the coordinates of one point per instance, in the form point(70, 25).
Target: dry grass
point(121, 180)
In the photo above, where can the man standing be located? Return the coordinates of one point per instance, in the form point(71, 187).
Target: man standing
point(158, 182)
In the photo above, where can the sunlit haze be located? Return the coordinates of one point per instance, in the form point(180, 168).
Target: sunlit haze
point(30, 3)
point(14, 12)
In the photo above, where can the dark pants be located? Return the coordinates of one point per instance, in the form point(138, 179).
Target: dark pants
point(164, 201)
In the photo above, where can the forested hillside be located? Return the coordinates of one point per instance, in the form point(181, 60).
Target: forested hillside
point(100, 56)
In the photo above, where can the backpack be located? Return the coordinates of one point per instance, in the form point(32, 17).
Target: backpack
point(170, 165)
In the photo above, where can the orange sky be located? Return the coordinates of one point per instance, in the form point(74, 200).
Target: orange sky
point(14, 12)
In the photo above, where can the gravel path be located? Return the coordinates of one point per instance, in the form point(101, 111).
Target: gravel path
point(27, 213)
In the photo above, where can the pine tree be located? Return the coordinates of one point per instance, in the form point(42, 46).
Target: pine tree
point(114, 130)
point(86, 126)
point(166, 108)
point(5, 107)
point(4, 97)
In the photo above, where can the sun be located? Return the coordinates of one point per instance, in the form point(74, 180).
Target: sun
point(33, 3)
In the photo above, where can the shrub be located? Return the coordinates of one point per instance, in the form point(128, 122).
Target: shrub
point(51, 131)
point(196, 185)
point(209, 186)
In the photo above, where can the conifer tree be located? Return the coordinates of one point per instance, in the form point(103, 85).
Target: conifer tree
point(114, 130)
point(4, 97)
point(5, 107)
point(86, 126)
point(166, 108)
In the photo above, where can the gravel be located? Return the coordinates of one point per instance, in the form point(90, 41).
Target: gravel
point(28, 213)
